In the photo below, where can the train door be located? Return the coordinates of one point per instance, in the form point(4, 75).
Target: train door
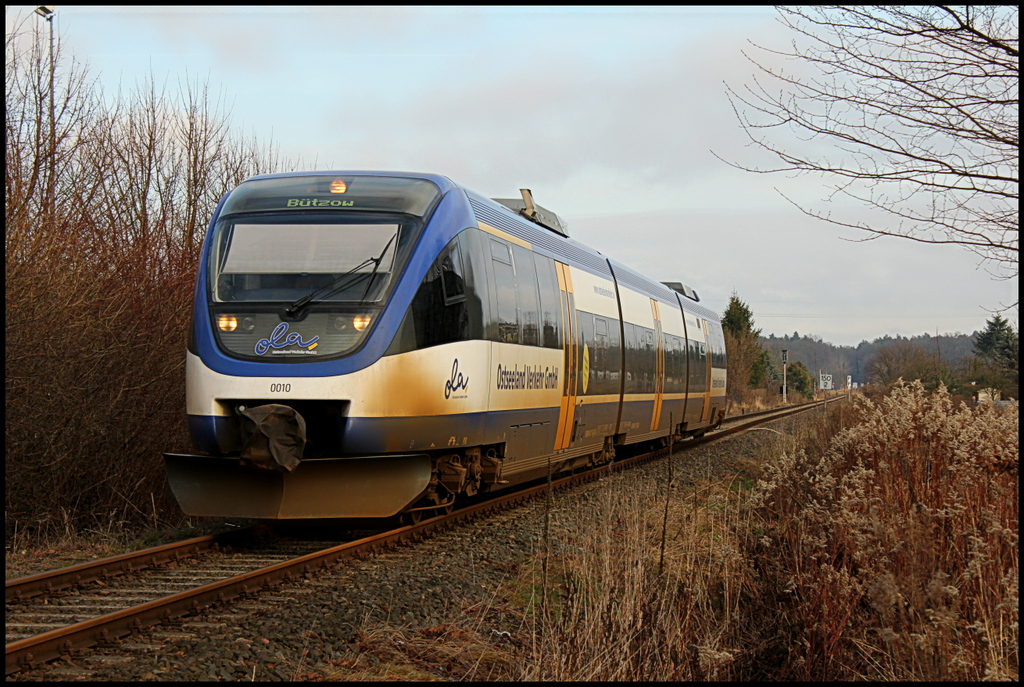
point(659, 366)
point(687, 404)
point(706, 345)
point(696, 371)
point(567, 417)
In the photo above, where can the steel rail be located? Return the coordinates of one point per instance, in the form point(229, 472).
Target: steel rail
point(762, 416)
point(21, 588)
point(808, 405)
point(47, 646)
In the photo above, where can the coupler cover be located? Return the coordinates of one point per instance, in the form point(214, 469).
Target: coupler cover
point(273, 437)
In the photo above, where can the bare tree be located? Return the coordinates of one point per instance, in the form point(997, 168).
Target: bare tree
point(918, 108)
point(902, 359)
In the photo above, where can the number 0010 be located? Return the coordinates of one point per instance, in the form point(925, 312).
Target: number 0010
point(279, 388)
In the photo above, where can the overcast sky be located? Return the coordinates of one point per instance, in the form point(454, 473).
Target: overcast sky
point(609, 115)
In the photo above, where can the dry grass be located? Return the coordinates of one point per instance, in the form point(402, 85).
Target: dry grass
point(881, 544)
point(610, 614)
point(754, 400)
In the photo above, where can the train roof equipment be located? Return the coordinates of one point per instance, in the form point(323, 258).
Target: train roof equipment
point(683, 289)
point(535, 213)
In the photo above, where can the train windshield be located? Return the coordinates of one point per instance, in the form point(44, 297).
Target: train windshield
point(273, 261)
point(287, 261)
point(313, 239)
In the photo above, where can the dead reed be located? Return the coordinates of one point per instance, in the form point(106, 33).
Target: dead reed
point(894, 545)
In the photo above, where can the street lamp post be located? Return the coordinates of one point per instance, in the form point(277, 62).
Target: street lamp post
point(47, 13)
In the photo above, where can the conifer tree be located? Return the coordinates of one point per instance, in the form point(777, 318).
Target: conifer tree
point(800, 379)
point(747, 361)
point(997, 348)
point(999, 343)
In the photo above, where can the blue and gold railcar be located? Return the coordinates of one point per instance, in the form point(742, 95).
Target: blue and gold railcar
point(370, 343)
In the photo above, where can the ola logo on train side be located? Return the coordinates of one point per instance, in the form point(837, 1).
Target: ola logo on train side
point(457, 382)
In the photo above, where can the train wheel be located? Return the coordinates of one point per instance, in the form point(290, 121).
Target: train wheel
point(412, 517)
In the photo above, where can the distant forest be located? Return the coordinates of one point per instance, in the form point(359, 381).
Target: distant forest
point(840, 361)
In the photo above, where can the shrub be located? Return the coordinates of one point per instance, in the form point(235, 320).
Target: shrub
point(103, 228)
point(895, 547)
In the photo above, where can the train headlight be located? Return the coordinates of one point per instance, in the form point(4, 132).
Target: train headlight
point(227, 323)
point(248, 324)
point(338, 186)
point(361, 322)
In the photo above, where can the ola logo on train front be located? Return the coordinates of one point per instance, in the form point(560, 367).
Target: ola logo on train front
point(278, 340)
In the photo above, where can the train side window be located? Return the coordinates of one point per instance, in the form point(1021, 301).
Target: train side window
point(614, 357)
point(585, 334)
point(603, 361)
point(632, 357)
point(550, 304)
point(698, 367)
point(445, 307)
point(671, 344)
point(453, 276)
point(499, 251)
point(717, 341)
point(680, 366)
point(505, 288)
point(599, 356)
point(648, 357)
point(529, 302)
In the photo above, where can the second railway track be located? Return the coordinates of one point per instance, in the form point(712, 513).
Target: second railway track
point(114, 597)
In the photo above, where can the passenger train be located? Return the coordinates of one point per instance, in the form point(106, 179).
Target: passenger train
point(365, 344)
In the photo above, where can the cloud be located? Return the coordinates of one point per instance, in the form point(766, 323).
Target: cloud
point(546, 116)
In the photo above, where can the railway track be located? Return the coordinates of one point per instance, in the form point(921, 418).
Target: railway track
point(57, 613)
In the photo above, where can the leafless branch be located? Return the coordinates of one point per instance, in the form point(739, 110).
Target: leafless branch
point(911, 111)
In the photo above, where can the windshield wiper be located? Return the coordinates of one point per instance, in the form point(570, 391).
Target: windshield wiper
point(376, 264)
point(340, 282)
